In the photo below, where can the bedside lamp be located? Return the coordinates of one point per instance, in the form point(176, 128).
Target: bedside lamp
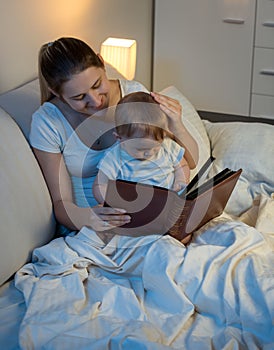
point(121, 54)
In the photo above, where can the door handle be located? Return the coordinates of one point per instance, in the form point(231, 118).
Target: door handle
point(234, 20)
point(269, 24)
point(267, 71)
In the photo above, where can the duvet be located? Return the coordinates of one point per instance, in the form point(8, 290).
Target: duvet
point(153, 292)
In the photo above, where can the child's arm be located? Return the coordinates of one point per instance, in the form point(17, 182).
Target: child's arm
point(100, 186)
point(181, 175)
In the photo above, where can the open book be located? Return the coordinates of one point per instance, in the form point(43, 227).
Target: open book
point(157, 210)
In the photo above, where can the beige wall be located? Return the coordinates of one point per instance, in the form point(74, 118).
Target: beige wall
point(26, 24)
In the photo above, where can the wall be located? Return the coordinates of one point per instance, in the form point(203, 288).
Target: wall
point(27, 24)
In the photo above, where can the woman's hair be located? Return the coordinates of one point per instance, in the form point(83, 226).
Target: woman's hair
point(60, 60)
point(139, 115)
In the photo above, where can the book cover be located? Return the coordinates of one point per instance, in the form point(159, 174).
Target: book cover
point(157, 210)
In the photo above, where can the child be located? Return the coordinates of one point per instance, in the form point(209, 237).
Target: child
point(144, 152)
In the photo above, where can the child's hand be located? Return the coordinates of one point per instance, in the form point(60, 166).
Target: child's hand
point(178, 185)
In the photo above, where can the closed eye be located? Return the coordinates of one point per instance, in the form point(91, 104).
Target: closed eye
point(80, 97)
point(97, 84)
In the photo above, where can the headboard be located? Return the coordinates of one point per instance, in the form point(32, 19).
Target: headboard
point(220, 117)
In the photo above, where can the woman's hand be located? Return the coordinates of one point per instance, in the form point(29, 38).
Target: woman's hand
point(105, 218)
point(173, 110)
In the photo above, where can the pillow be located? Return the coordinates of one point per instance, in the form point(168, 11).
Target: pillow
point(248, 146)
point(192, 122)
point(21, 103)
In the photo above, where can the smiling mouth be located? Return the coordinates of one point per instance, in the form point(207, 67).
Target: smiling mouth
point(95, 109)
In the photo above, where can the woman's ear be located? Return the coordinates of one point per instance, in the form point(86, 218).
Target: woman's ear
point(53, 92)
point(101, 59)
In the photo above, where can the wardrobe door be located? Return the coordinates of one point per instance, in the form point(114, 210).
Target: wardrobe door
point(263, 70)
point(205, 49)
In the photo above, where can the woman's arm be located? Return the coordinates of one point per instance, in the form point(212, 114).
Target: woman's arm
point(66, 211)
point(173, 109)
point(100, 186)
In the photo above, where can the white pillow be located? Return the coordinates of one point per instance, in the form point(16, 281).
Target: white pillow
point(192, 122)
point(21, 103)
point(248, 146)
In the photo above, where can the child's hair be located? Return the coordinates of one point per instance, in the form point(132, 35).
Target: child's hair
point(139, 115)
point(59, 60)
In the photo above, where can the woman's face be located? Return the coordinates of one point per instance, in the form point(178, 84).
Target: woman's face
point(88, 91)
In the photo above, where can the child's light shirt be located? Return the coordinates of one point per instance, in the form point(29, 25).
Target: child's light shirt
point(157, 171)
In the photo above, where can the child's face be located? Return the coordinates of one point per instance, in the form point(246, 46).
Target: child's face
point(141, 148)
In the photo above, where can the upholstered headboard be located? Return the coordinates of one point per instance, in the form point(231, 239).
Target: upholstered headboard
point(25, 207)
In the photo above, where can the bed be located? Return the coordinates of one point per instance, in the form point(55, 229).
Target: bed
point(149, 292)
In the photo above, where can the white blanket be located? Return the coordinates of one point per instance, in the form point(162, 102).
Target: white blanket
point(151, 292)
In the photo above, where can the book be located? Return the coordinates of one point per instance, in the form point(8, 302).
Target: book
point(157, 210)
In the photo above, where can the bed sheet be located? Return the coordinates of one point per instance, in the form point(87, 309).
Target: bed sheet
point(13, 307)
point(154, 293)
point(12, 311)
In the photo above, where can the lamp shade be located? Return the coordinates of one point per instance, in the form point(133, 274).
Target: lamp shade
point(121, 54)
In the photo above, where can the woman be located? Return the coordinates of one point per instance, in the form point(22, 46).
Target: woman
point(70, 131)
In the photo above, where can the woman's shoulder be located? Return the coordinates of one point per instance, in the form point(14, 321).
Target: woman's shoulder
point(129, 86)
point(47, 131)
point(46, 112)
point(49, 116)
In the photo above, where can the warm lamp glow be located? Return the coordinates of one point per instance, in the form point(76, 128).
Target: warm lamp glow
point(121, 54)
